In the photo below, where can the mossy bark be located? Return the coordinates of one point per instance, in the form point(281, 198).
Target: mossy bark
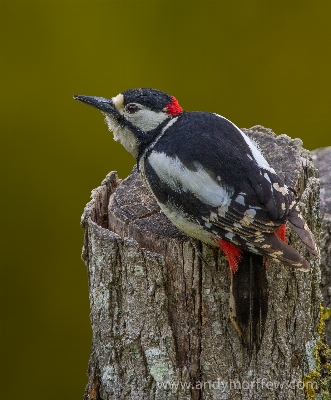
point(160, 312)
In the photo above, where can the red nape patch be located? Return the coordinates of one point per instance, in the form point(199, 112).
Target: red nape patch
point(174, 108)
point(280, 232)
point(233, 254)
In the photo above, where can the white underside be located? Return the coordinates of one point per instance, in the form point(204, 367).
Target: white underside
point(192, 229)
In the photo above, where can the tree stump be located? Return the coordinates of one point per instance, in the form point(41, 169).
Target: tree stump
point(160, 313)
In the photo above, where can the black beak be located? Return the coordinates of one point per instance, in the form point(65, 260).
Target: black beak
point(102, 104)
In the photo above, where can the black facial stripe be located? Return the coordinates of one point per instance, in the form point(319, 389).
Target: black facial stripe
point(147, 138)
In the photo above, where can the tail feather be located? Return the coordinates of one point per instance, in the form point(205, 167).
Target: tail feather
point(302, 230)
point(273, 245)
point(249, 300)
point(274, 248)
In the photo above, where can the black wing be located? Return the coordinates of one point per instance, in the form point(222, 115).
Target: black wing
point(195, 162)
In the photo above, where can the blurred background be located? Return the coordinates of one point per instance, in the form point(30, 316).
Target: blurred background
point(254, 62)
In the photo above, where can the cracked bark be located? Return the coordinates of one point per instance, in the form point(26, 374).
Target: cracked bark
point(160, 315)
point(322, 160)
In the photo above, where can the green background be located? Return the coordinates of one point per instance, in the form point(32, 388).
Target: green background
point(255, 62)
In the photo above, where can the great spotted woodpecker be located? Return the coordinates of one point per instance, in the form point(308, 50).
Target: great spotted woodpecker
point(209, 178)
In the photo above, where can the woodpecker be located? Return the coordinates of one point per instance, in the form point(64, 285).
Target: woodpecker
point(208, 177)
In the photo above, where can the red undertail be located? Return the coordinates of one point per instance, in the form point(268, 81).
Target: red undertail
point(233, 254)
point(280, 232)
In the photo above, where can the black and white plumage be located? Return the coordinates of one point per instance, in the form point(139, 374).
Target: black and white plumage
point(208, 177)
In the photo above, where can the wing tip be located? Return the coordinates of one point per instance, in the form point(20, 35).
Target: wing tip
point(302, 230)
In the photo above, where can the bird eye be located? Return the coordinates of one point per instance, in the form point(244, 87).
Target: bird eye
point(132, 108)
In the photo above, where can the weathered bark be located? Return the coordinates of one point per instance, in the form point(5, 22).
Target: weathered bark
point(160, 314)
point(322, 160)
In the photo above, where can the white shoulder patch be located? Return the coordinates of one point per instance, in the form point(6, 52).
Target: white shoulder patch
point(199, 182)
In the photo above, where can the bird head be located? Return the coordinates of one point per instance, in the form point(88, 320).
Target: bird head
point(135, 116)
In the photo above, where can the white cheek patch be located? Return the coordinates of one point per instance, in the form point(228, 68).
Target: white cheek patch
point(146, 119)
point(199, 182)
